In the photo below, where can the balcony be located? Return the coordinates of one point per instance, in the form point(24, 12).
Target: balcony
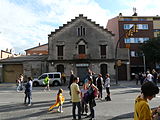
point(81, 56)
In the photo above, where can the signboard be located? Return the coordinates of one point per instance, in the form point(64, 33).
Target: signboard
point(82, 65)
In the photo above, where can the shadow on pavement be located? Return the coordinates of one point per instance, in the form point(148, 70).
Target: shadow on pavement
point(127, 91)
point(123, 116)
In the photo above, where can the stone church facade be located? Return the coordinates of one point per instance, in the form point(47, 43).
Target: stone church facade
point(79, 45)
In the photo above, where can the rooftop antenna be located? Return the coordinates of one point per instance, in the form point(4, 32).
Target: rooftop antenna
point(134, 11)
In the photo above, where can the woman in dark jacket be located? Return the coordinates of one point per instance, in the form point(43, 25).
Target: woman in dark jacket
point(91, 101)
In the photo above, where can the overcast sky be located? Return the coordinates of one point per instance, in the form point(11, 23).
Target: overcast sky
point(26, 23)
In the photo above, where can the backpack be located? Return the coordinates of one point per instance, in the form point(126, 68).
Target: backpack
point(90, 94)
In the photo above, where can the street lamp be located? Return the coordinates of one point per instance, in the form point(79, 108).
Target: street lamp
point(144, 62)
point(129, 33)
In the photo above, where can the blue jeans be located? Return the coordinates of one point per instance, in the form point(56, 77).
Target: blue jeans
point(74, 104)
point(29, 96)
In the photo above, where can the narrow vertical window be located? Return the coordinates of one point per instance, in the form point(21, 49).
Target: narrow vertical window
point(81, 49)
point(60, 52)
point(78, 32)
point(84, 31)
point(81, 31)
point(103, 51)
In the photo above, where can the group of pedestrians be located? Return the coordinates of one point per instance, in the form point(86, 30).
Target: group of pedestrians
point(84, 99)
point(147, 76)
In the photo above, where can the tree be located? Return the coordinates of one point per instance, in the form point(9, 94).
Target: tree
point(151, 50)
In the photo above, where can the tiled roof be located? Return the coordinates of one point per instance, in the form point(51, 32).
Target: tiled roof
point(24, 58)
point(36, 47)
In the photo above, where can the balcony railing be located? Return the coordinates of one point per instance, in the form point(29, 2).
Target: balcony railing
point(81, 56)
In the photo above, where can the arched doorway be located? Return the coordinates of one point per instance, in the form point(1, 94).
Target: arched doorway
point(60, 68)
point(103, 70)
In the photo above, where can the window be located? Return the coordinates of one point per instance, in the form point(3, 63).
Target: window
point(56, 75)
point(127, 40)
point(81, 31)
point(103, 51)
point(135, 40)
point(142, 19)
point(42, 77)
point(60, 52)
point(133, 54)
point(128, 26)
point(143, 26)
point(140, 26)
point(81, 49)
point(50, 75)
point(128, 19)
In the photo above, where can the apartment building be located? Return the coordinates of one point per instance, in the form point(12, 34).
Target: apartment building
point(148, 27)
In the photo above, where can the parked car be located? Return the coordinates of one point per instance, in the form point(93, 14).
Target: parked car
point(55, 79)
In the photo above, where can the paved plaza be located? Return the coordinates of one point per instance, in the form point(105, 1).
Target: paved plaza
point(120, 108)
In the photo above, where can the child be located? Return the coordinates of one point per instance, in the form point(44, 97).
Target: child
point(59, 101)
point(84, 105)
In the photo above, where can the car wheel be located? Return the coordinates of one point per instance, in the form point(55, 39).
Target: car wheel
point(35, 84)
point(56, 83)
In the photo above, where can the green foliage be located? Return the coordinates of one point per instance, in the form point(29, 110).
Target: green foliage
point(151, 50)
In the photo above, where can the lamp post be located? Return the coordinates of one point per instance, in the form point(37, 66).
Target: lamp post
point(144, 62)
point(128, 33)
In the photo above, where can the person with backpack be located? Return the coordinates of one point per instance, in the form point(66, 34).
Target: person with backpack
point(99, 83)
point(92, 89)
point(28, 91)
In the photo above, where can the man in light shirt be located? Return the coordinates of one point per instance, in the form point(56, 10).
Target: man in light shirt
point(149, 76)
point(75, 98)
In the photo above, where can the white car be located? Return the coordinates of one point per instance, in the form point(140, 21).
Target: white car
point(55, 79)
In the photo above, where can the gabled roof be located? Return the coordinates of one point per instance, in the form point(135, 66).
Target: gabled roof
point(76, 18)
point(36, 47)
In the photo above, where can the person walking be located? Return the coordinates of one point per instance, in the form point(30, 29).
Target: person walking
point(142, 110)
point(91, 100)
point(99, 83)
point(20, 83)
point(149, 76)
point(155, 76)
point(71, 81)
point(46, 83)
point(75, 98)
point(28, 91)
point(107, 86)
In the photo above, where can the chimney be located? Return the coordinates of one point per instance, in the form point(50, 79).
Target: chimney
point(120, 14)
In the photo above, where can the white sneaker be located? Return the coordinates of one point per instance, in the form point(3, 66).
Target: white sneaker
point(29, 104)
